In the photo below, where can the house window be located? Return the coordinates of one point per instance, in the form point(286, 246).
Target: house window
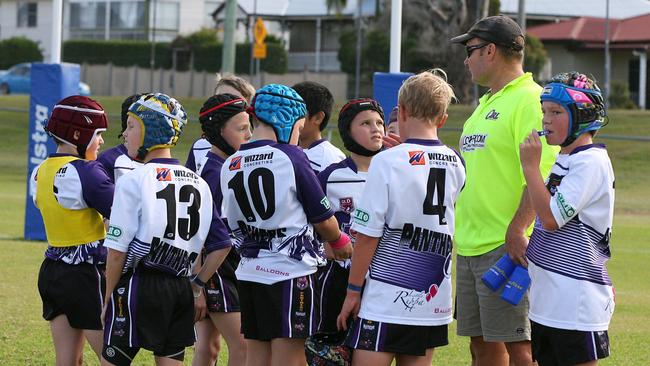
point(89, 15)
point(27, 15)
point(166, 15)
point(128, 15)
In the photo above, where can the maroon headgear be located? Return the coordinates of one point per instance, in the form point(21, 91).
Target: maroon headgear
point(76, 120)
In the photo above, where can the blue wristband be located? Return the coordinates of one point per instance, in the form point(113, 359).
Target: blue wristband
point(197, 281)
point(354, 288)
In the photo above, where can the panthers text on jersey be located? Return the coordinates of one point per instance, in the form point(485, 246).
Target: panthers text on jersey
point(162, 215)
point(571, 288)
point(408, 202)
point(271, 198)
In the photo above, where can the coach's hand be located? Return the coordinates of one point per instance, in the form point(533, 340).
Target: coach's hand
point(516, 244)
point(392, 140)
point(200, 306)
point(350, 307)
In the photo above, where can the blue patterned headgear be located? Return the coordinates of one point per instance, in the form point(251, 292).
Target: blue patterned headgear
point(581, 98)
point(280, 107)
point(162, 119)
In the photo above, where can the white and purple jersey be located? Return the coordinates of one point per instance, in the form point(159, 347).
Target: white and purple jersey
point(271, 197)
point(571, 288)
point(408, 202)
point(343, 185)
point(79, 184)
point(117, 162)
point(322, 154)
point(198, 151)
point(163, 216)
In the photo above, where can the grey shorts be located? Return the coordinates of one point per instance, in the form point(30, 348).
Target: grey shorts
point(480, 311)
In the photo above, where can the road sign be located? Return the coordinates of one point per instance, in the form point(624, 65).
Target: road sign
point(259, 31)
point(259, 50)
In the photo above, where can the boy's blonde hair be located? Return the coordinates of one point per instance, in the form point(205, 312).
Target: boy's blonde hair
point(240, 84)
point(426, 95)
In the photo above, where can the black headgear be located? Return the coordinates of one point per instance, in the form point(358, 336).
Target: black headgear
point(347, 114)
point(214, 114)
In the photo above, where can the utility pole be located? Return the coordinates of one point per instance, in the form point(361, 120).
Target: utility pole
point(152, 30)
point(521, 16)
point(395, 35)
point(57, 11)
point(607, 56)
point(230, 22)
point(357, 68)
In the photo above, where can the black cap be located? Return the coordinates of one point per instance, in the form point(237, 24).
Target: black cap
point(498, 29)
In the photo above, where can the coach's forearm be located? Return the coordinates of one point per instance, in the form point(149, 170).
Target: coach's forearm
point(364, 249)
point(114, 264)
point(524, 215)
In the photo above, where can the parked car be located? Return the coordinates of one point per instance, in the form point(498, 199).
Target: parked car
point(17, 80)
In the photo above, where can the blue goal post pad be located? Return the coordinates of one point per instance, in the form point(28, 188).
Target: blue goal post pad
point(385, 87)
point(49, 84)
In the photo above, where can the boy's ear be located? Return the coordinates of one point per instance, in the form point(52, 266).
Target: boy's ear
point(402, 114)
point(442, 120)
point(316, 118)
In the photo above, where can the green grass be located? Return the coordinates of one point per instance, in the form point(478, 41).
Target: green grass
point(25, 337)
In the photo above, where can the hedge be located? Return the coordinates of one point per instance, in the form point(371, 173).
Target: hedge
point(17, 50)
point(206, 57)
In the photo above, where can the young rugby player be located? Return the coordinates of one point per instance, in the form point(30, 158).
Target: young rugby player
point(230, 84)
point(361, 126)
point(162, 217)
point(404, 224)
point(115, 160)
point(319, 100)
point(73, 193)
point(273, 204)
point(226, 126)
point(572, 297)
point(392, 126)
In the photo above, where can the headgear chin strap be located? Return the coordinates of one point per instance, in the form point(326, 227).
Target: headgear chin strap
point(347, 114)
point(584, 106)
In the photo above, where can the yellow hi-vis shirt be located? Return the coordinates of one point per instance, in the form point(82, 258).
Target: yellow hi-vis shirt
point(64, 227)
point(495, 181)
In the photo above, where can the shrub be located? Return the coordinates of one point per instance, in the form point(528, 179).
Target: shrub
point(17, 50)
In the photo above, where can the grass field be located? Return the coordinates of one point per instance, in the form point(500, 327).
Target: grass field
point(25, 337)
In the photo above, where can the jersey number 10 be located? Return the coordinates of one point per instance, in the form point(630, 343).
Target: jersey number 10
point(258, 178)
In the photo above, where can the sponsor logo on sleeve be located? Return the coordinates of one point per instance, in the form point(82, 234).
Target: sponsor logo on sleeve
point(361, 217)
point(565, 208)
point(346, 204)
point(326, 203)
point(235, 163)
point(163, 174)
point(114, 232)
point(416, 157)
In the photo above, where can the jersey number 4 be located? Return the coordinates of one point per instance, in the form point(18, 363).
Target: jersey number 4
point(261, 186)
point(187, 226)
point(435, 183)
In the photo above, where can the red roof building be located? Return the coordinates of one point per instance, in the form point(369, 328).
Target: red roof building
point(579, 43)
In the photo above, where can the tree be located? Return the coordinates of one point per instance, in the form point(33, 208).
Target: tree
point(534, 55)
point(18, 49)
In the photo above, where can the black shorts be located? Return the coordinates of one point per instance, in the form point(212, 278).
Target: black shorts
point(152, 310)
point(76, 291)
point(559, 347)
point(411, 340)
point(221, 293)
point(332, 284)
point(287, 309)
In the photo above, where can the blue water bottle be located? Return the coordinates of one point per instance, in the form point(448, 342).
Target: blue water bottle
point(499, 273)
point(517, 286)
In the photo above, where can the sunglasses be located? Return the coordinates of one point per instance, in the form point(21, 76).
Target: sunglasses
point(470, 49)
